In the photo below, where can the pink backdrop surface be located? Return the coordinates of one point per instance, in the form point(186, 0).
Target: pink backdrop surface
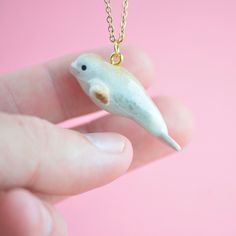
point(193, 45)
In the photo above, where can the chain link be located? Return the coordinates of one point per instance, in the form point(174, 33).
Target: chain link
point(116, 57)
point(111, 29)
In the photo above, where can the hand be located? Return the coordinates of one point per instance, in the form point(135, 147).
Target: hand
point(41, 163)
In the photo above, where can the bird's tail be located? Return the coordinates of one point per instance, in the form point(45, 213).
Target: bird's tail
point(170, 141)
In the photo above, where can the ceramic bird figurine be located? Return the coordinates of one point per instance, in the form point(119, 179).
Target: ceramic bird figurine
point(115, 90)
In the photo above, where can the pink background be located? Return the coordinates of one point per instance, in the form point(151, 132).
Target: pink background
point(193, 44)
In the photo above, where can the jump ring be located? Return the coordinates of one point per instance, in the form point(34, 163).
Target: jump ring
point(116, 58)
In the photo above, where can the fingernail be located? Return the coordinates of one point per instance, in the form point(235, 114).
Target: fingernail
point(109, 142)
point(46, 221)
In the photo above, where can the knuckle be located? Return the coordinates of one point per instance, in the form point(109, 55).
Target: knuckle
point(36, 132)
point(23, 145)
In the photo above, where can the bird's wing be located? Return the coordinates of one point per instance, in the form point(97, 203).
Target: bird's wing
point(99, 92)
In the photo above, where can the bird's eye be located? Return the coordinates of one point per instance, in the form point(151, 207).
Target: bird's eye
point(84, 67)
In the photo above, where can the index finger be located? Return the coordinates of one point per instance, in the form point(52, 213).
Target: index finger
point(49, 90)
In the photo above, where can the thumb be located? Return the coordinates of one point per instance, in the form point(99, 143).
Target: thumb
point(42, 157)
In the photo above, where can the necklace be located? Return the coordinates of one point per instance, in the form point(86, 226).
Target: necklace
point(114, 89)
point(116, 57)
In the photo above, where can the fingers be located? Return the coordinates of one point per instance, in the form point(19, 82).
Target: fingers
point(52, 160)
point(22, 214)
point(50, 91)
point(146, 147)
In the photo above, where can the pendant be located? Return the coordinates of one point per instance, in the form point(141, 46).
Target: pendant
point(117, 91)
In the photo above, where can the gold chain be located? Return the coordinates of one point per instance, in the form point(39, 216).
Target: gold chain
point(110, 21)
point(116, 57)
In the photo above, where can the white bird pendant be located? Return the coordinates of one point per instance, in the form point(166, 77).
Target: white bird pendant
point(116, 90)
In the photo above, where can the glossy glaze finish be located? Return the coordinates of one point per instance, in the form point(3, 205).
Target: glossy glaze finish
point(115, 90)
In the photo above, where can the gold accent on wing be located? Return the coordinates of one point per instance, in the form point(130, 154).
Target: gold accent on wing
point(102, 97)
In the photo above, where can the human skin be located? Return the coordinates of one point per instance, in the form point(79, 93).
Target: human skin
point(42, 163)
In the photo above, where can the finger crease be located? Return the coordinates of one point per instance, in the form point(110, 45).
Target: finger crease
point(51, 77)
point(14, 100)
